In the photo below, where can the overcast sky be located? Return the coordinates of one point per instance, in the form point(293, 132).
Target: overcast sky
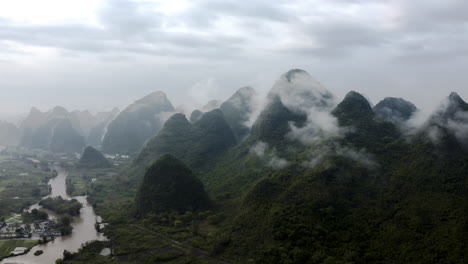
point(97, 54)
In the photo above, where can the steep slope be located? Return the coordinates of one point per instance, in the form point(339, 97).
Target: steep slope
point(448, 125)
point(354, 110)
point(294, 99)
point(395, 110)
point(175, 137)
point(195, 116)
point(343, 211)
point(237, 110)
point(56, 130)
point(34, 131)
point(65, 139)
point(274, 123)
point(366, 194)
point(91, 124)
point(169, 185)
point(98, 130)
point(85, 119)
point(33, 120)
point(211, 105)
point(195, 144)
point(55, 135)
point(9, 134)
point(93, 159)
point(363, 129)
point(140, 121)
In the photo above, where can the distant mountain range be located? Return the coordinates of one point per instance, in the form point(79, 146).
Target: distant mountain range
point(57, 130)
point(300, 178)
point(9, 134)
point(140, 121)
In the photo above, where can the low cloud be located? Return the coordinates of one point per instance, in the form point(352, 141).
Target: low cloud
point(413, 125)
point(448, 118)
point(301, 94)
point(451, 119)
point(459, 127)
point(319, 126)
point(203, 91)
point(325, 151)
point(268, 154)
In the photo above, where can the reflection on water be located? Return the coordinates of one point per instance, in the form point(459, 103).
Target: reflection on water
point(83, 229)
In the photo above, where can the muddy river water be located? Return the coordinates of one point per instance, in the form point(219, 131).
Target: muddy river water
point(83, 229)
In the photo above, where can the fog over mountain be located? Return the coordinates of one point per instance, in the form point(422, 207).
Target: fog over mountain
point(228, 132)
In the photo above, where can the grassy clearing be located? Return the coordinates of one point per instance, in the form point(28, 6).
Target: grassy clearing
point(22, 182)
point(7, 246)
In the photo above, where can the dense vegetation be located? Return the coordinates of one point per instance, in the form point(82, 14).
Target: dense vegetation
point(61, 206)
point(394, 109)
point(9, 134)
point(128, 132)
point(56, 135)
point(34, 215)
point(92, 159)
point(65, 138)
point(195, 144)
point(237, 110)
point(7, 246)
point(169, 185)
point(64, 225)
point(368, 194)
point(22, 182)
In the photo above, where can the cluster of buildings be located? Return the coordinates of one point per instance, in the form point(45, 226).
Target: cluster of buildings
point(15, 228)
point(116, 156)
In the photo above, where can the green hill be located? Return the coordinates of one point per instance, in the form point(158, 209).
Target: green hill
point(9, 134)
point(195, 116)
point(395, 109)
point(237, 110)
point(65, 138)
point(194, 144)
point(169, 185)
point(93, 159)
point(342, 211)
point(447, 126)
point(368, 194)
point(140, 121)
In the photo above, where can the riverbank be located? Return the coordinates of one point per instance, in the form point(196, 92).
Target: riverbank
point(23, 182)
point(8, 246)
point(83, 227)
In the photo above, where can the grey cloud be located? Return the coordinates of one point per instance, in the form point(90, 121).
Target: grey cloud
point(431, 15)
point(126, 29)
point(299, 92)
point(420, 46)
point(126, 17)
point(338, 39)
point(89, 39)
point(459, 127)
point(325, 151)
point(449, 119)
point(131, 26)
point(263, 151)
point(346, 35)
point(205, 13)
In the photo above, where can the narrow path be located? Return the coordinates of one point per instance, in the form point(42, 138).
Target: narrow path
point(185, 246)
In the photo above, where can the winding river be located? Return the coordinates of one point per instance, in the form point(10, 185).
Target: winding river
point(83, 228)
